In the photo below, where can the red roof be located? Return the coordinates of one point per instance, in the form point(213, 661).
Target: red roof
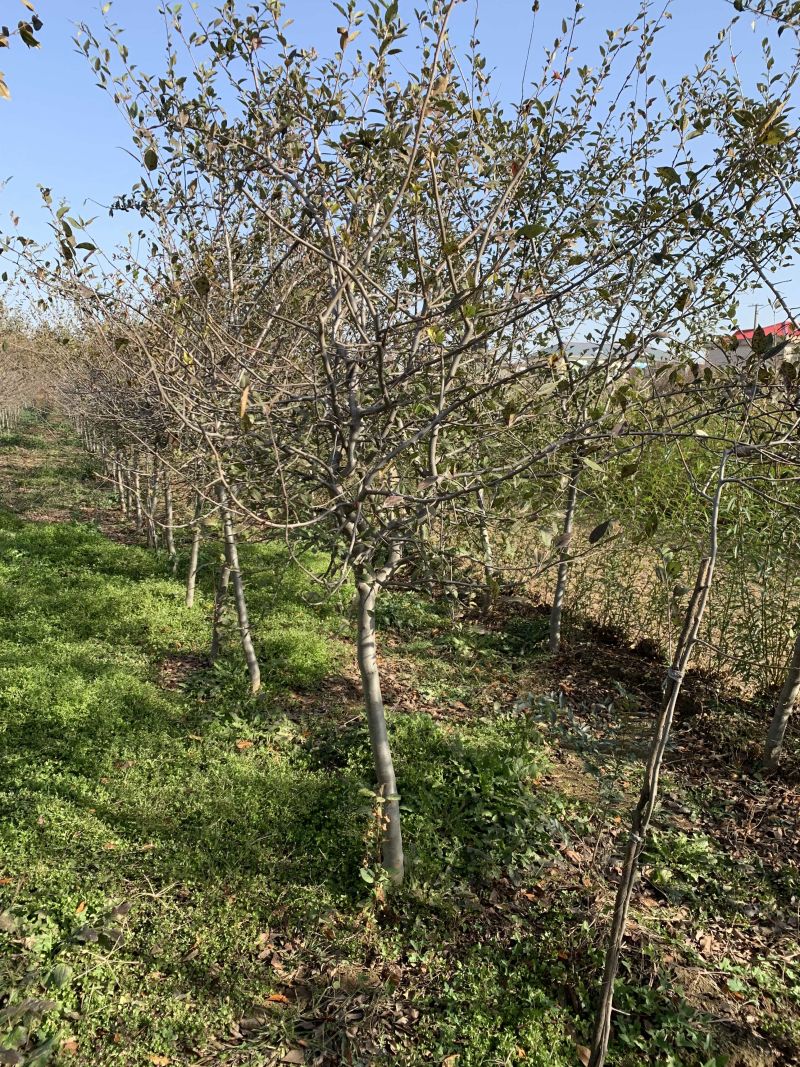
point(778, 329)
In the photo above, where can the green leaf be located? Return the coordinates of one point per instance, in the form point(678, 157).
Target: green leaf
point(366, 875)
point(151, 159)
point(59, 976)
point(668, 175)
point(531, 229)
point(599, 532)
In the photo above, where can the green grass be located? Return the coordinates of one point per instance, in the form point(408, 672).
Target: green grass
point(151, 837)
point(174, 853)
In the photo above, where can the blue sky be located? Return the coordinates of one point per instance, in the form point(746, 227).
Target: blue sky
point(60, 130)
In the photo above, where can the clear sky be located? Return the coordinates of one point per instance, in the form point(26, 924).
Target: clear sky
point(61, 130)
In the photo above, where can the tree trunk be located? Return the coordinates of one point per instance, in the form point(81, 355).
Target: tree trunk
point(488, 554)
point(137, 493)
point(645, 806)
point(152, 502)
point(169, 523)
point(194, 556)
point(232, 559)
point(563, 567)
point(376, 719)
point(787, 699)
point(123, 503)
point(220, 599)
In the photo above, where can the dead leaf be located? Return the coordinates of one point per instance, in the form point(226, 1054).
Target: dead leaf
point(584, 1054)
point(451, 1061)
point(81, 908)
point(242, 745)
point(295, 1055)
point(159, 1061)
point(278, 998)
point(70, 1045)
point(109, 846)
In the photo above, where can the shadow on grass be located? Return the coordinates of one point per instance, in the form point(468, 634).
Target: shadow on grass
point(213, 815)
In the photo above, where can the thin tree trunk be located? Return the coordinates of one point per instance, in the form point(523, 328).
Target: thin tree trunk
point(120, 485)
point(194, 556)
point(557, 609)
point(137, 492)
point(220, 599)
point(152, 502)
point(169, 523)
point(488, 554)
point(648, 796)
point(232, 559)
point(376, 719)
point(787, 699)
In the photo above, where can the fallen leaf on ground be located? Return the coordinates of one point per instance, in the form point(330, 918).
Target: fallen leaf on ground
point(241, 745)
point(278, 998)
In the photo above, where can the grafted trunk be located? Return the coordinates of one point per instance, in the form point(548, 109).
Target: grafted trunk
point(194, 555)
point(232, 559)
point(784, 706)
point(169, 523)
point(220, 599)
point(379, 740)
point(557, 610)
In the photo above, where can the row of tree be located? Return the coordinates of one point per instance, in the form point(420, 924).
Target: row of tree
point(370, 310)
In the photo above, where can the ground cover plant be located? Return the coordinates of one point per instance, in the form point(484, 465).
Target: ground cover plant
point(191, 875)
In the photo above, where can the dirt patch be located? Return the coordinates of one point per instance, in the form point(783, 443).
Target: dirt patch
point(176, 670)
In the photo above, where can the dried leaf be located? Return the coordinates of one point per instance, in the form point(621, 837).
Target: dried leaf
point(242, 745)
point(584, 1054)
point(278, 998)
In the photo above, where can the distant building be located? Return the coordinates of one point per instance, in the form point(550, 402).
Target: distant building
point(737, 349)
point(589, 354)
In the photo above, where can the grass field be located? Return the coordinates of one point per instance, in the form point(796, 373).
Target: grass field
point(189, 875)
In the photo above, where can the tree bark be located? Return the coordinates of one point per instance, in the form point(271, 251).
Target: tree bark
point(137, 492)
point(488, 554)
point(123, 502)
point(232, 559)
point(152, 501)
point(784, 706)
point(169, 523)
point(220, 599)
point(648, 796)
point(194, 555)
point(557, 609)
point(376, 718)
